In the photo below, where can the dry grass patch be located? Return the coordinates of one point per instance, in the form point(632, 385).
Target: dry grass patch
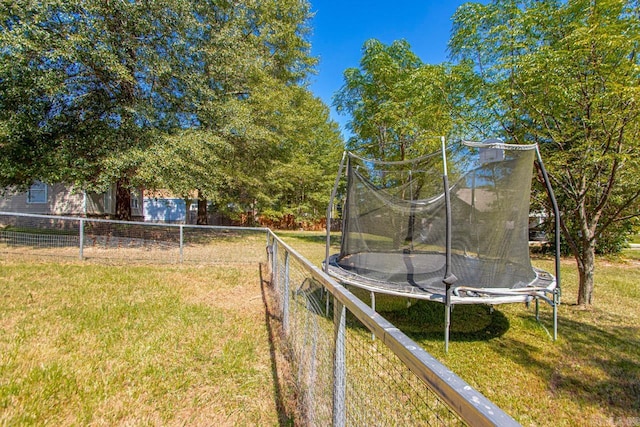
point(200, 247)
point(163, 345)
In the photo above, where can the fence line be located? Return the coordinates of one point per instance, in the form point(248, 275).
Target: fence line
point(111, 240)
point(417, 388)
point(342, 375)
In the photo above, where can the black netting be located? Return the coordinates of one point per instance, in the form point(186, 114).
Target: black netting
point(394, 226)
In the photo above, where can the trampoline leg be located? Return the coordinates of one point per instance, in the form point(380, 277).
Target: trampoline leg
point(538, 310)
point(373, 307)
point(447, 324)
point(555, 317)
point(447, 315)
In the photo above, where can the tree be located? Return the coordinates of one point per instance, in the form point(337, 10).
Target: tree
point(251, 56)
point(565, 75)
point(189, 163)
point(84, 86)
point(91, 90)
point(397, 104)
point(299, 182)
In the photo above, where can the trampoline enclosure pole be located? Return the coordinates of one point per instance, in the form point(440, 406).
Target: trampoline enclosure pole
point(449, 278)
point(556, 213)
point(330, 210)
point(447, 275)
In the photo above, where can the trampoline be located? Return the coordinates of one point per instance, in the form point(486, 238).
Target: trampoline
point(450, 227)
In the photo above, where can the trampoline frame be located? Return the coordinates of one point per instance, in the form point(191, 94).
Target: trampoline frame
point(454, 295)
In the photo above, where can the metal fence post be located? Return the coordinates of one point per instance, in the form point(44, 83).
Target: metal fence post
point(81, 243)
point(181, 243)
point(339, 368)
point(274, 269)
point(285, 296)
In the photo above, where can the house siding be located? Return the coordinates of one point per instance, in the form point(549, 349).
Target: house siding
point(65, 200)
point(168, 210)
point(61, 200)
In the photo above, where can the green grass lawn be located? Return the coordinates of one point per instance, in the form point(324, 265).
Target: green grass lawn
point(86, 344)
point(590, 376)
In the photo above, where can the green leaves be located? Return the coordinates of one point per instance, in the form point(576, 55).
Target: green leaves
point(398, 104)
point(177, 94)
point(565, 75)
point(83, 79)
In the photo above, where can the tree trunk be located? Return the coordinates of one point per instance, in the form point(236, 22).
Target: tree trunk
point(202, 209)
point(123, 200)
point(187, 210)
point(586, 267)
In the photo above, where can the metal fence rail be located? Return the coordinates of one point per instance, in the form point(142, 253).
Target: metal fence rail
point(342, 375)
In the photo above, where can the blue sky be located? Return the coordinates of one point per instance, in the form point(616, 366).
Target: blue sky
point(340, 28)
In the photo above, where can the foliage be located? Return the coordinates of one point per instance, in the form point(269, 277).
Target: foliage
point(84, 84)
point(565, 75)
point(254, 118)
point(300, 182)
point(181, 95)
point(398, 105)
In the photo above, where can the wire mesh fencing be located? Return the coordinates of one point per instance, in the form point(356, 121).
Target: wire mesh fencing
point(125, 241)
point(354, 368)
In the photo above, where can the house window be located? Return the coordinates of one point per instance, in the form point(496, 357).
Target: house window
point(37, 193)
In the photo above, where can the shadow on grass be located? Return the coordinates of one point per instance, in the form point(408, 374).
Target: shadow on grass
point(594, 365)
point(424, 320)
point(281, 376)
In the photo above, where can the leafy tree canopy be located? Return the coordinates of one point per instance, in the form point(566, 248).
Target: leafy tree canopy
point(82, 82)
point(184, 94)
point(565, 75)
point(398, 105)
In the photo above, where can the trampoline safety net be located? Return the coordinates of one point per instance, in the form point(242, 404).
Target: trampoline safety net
point(394, 219)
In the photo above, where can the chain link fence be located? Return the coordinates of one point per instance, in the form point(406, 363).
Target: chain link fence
point(349, 366)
